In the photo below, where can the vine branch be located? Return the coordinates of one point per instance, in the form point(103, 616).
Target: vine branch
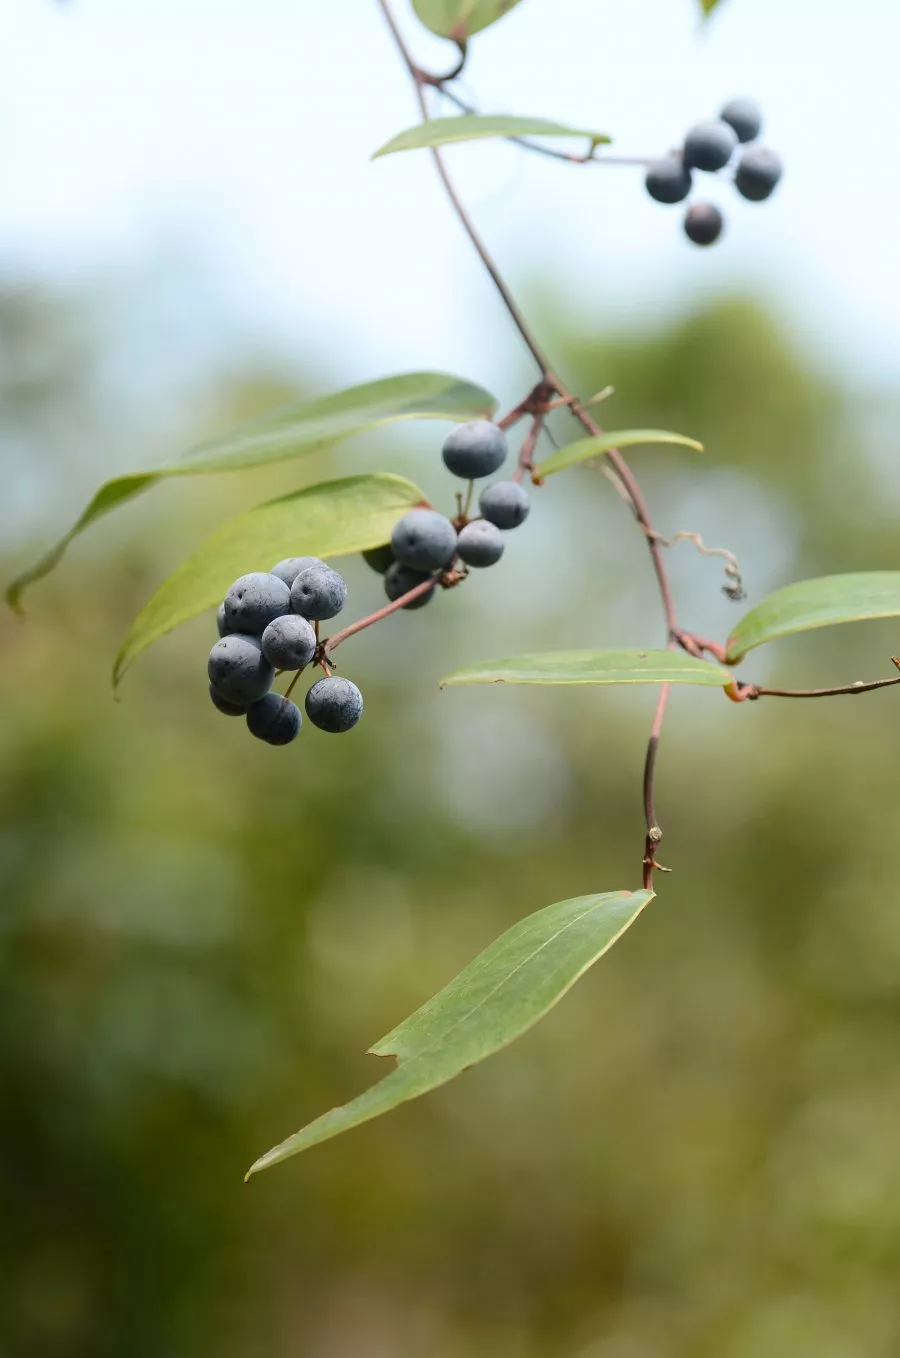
point(552, 385)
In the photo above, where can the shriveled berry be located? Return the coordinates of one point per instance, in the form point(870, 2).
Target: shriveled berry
point(254, 600)
point(424, 540)
point(289, 643)
point(238, 670)
point(319, 593)
point(474, 450)
point(505, 503)
point(229, 709)
point(288, 569)
point(745, 116)
point(481, 543)
point(709, 145)
point(667, 180)
point(380, 558)
point(399, 580)
point(758, 173)
point(274, 719)
point(334, 704)
point(703, 223)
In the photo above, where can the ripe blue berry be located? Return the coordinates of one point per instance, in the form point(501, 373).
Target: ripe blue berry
point(668, 181)
point(334, 705)
point(505, 503)
point(230, 709)
point(253, 601)
point(319, 593)
point(709, 146)
point(221, 624)
point(474, 450)
point(424, 540)
point(745, 116)
point(288, 569)
point(274, 719)
point(380, 558)
point(481, 543)
point(703, 223)
point(758, 172)
point(289, 643)
point(238, 670)
point(399, 580)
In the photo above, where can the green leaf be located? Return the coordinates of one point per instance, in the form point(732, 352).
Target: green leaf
point(292, 431)
point(595, 667)
point(473, 126)
point(511, 985)
point(330, 519)
point(816, 603)
point(584, 449)
point(459, 19)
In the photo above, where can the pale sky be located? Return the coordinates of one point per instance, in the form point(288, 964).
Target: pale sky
point(240, 130)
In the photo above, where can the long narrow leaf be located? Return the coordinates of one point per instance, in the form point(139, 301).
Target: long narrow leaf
point(293, 431)
point(822, 602)
point(330, 519)
point(582, 450)
point(594, 667)
point(500, 995)
point(475, 126)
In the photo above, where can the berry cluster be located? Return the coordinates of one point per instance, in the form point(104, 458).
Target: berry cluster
point(710, 146)
point(426, 545)
point(268, 622)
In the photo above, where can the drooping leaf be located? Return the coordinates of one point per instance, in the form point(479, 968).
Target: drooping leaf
point(292, 431)
point(595, 667)
point(474, 126)
point(823, 602)
point(459, 19)
point(330, 519)
point(495, 999)
point(582, 450)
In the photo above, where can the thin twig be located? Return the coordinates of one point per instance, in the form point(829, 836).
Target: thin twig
point(553, 386)
point(654, 833)
point(424, 587)
point(750, 692)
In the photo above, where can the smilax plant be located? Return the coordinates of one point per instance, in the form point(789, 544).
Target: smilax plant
point(272, 618)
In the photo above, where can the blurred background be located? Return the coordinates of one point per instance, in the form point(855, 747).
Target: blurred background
point(697, 1153)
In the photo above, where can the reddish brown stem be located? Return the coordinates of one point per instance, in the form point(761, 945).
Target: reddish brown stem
point(654, 833)
point(549, 386)
point(416, 592)
point(750, 692)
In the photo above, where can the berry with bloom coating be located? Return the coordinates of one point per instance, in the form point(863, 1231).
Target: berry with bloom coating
point(380, 558)
point(399, 580)
point(505, 503)
point(274, 719)
point(667, 180)
point(703, 223)
point(319, 593)
point(745, 116)
point(758, 173)
point(709, 146)
point(238, 670)
point(289, 643)
point(481, 543)
point(288, 569)
point(230, 709)
point(474, 450)
point(221, 624)
point(253, 601)
point(424, 540)
point(334, 704)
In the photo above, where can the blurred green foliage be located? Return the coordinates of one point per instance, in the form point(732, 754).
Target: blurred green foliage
point(696, 1154)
